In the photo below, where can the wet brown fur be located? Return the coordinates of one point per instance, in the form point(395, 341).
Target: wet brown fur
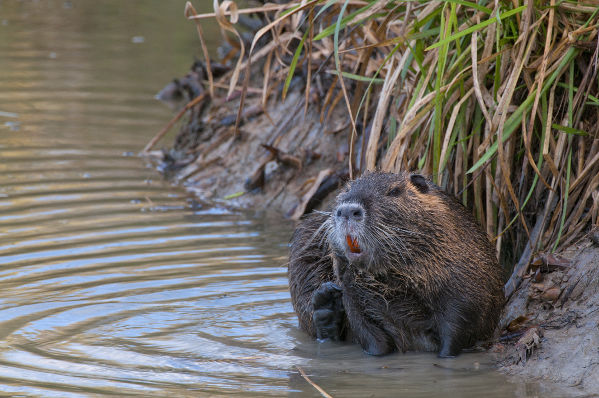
point(428, 280)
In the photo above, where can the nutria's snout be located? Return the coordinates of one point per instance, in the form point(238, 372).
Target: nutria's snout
point(350, 211)
point(349, 226)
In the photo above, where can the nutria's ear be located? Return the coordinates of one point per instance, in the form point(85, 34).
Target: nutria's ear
point(419, 182)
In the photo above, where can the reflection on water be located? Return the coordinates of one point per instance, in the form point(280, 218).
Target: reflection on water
point(111, 281)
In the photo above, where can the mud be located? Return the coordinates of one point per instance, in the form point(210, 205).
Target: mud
point(560, 313)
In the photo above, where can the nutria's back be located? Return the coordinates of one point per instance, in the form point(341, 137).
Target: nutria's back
point(414, 269)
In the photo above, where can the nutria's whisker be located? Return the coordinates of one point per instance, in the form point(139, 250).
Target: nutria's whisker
point(325, 225)
point(389, 242)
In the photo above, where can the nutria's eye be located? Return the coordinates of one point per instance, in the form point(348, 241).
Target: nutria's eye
point(419, 182)
point(395, 191)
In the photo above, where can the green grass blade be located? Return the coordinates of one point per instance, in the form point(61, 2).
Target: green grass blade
point(569, 130)
point(569, 164)
point(446, 29)
point(472, 5)
point(338, 25)
point(234, 195)
point(341, 23)
point(359, 78)
point(324, 8)
point(565, 200)
point(476, 27)
point(593, 99)
point(293, 65)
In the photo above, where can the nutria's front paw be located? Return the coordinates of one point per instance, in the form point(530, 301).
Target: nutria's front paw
point(329, 313)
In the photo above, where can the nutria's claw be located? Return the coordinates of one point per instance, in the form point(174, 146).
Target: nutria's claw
point(329, 314)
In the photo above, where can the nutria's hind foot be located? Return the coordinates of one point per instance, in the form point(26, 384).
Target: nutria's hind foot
point(379, 347)
point(329, 314)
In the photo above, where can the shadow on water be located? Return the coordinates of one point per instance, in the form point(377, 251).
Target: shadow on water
point(114, 282)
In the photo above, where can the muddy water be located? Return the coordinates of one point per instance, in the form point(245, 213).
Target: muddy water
point(112, 281)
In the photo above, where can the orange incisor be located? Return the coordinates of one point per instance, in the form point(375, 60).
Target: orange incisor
point(353, 244)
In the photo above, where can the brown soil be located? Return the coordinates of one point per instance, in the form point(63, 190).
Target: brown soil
point(558, 338)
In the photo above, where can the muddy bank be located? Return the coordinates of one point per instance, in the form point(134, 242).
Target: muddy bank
point(283, 156)
point(554, 317)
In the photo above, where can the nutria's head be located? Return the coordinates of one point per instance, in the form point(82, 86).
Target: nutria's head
point(379, 218)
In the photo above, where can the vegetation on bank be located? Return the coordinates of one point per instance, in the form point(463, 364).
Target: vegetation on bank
point(498, 101)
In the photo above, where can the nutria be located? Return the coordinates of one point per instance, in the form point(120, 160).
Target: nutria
point(397, 265)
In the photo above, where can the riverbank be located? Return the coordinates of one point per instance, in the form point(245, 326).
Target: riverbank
point(284, 160)
point(557, 320)
point(283, 155)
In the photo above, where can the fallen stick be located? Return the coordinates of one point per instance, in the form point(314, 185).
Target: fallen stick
point(320, 390)
point(520, 269)
point(174, 120)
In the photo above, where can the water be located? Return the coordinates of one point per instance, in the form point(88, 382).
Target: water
point(114, 282)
